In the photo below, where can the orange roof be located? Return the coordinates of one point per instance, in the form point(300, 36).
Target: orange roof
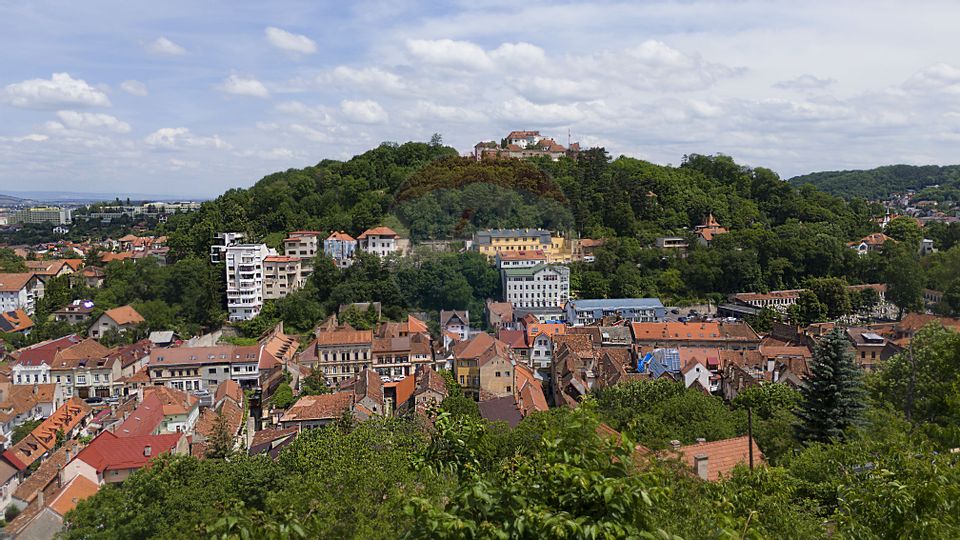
point(110, 256)
point(377, 231)
point(342, 236)
point(534, 330)
point(696, 331)
point(14, 282)
point(416, 326)
point(722, 456)
point(875, 239)
point(128, 238)
point(322, 407)
point(344, 337)
point(404, 388)
point(522, 255)
point(174, 401)
point(530, 396)
point(15, 321)
point(124, 315)
point(75, 491)
point(231, 389)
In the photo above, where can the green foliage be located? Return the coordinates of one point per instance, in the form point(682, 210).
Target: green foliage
point(832, 398)
point(832, 292)
point(283, 396)
point(23, 430)
point(10, 513)
point(314, 384)
point(221, 444)
point(808, 309)
point(10, 262)
point(904, 278)
point(882, 181)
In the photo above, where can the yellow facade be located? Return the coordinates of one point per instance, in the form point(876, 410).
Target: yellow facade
point(560, 249)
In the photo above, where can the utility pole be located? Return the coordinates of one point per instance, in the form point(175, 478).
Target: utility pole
point(750, 434)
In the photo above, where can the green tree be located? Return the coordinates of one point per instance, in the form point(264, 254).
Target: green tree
point(314, 384)
point(905, 280)
point(10, 262)
point(283, 396)
point(23, 430)
point(808, 309)
point(832, 398)
point(220, 444)
point(832, 293)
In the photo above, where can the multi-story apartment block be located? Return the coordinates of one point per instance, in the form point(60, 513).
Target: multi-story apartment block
point(537, 286)
point(205, 368)
point(586, 311)
point(305, 245)
point(340, 353)
point(282, 275)
point(484, 366)
point(220, 244)
point(45, 214)
point(20, 291)
point(340, 247)
point(380, 241)
point(244, 269)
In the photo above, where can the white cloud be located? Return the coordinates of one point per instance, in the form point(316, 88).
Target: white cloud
point(244, 86)
point(181, 137)
point(93, 121)
point(135, 88)
point(287, 41)
point(363, 112)
point(165, 47)
point(936, 77)
point(523, 55)
point(318, 115)
point(60, 90)
point(521, 110)
point(33, 137)
point(805, 82)
point(369, 78)
point(450, 53)
point(426, 110)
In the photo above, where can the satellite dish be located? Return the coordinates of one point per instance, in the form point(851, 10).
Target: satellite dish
point(88, 304)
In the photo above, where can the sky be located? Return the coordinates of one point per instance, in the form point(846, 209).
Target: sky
point(190, 98)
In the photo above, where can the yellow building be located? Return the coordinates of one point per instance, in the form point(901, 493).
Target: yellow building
point(483, 366)
point(558, 249)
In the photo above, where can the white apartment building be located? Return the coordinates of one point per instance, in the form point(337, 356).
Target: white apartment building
point(20, 291)
point(380, 241)
point(537, 286)
point(281, 276)
point(245, 273)
point(220, 244)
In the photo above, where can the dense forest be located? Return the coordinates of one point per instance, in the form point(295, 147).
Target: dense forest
point(871, 463)
point(879, 183)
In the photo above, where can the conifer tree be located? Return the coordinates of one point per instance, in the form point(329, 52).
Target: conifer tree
point(832, 398)
point(221, 443)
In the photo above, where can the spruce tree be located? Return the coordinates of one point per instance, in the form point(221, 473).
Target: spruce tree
point(832, 398)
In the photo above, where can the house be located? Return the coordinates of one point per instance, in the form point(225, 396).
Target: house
point(221, 242)
point(573, 370)
point(528, 391)
point(28, 402)
point(431, 390)
point(501, 409)
point(46, 478)
point(15, 322)
point(272, 441)
point(708, 230)
point(714, 460)
point(245, 274)
point(229, 403)
point(557, 248)
point(381, 241)
point(340, 247)
point(63, 424)
point(282, 275)
point(75, 312)
point(539, 340)
point(870, 243)
point(317, 411)
point(583, 312)
point(537, 286)
point(456, 323)
point(204, 368)
point(31, 364)
point(302, 244)
point(20, 291)
point(484, 367)
point(870, 349)
point(339, 353)
point(368, 395)
point(163, 338)
point(133, 357)
point(672, 242)
point(120, 319)
point(93, 276)
point(86, 369)
point(110, 459)
point(723, 335)
point(162, 410)
point(499, 314)
point(520, 259)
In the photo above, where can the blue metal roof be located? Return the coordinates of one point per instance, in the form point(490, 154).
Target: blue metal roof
point(616, 303)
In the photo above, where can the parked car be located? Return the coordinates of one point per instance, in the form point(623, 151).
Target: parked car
point(93, 400)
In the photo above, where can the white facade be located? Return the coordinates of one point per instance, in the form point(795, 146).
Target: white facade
point(539, 286)
point(24, 298)
point(244, 269)
point(220, 244)
point(381, 245)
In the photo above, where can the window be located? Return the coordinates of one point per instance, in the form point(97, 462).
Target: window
point(81, 379)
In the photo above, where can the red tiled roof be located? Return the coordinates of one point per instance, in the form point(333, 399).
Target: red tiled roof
point(75, 491)
point(15, 321)
point(144, 420)
point(695, 331)
point(110, 452)
point(322, 407)
point(377, 231)
point(14, 282)
point(342, 236)
point(124, 315)
point(722, 456)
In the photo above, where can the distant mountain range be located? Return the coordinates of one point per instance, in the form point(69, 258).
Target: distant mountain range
point(880, 182)
point(27, 197)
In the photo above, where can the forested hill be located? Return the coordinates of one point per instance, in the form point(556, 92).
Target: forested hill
point(427, 192)
point(880, 182)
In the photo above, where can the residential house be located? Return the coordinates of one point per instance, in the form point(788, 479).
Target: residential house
point(431, 390)
point(672, 242)
point(15, 322)
point(557, 248)
point(120, 319)
point(221, 242)
point(381, 241)
point(31, 364)
point(339, 353)
point(499, 314)
point(75, 312)
point(20, 291)
point(110, 459)
point(229, 403)
point(484, 367)
point(23, 403)
point(86, 370)
point(400, 349)
point(723, 335)
point(245, 275)
point(54, 268)
point(708, 230)
point(46, 478)
point(537, 286)
point(340, 247)
point(317, 411)
point(870, 349)
point(272, 441)
point(573, 370)
point(539, 338)
point(65, 423)
point(133, 357)
point(9, 482)
point(870, 243)
point(581, 312)
point(93, 276)
point(205, 368)
point(281, 276)
point(456, 323)
point(302, 244)
point(712, 461)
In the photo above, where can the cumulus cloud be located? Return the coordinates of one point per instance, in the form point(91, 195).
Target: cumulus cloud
point(426, 110)
point(33, 137)
point(371, 78)
point(181, 137)
point(244, 86)
point(450, 53)
point(165, 47)
point(521, 110)
point(936, 77)
point(135, 88)
point(363, 112)
point(805, 82)
point(93, 121)
point(296, 43)
point(59, 90)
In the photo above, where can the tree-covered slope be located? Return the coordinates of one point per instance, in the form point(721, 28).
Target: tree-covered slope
point(882, 181)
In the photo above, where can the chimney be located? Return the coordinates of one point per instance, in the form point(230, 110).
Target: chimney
point(40, 499)
point(60, 476)
point(147, 451)
point(675, 444)
point(700, 465)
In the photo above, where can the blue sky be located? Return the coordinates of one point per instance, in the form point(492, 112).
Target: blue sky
point(192, 98)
